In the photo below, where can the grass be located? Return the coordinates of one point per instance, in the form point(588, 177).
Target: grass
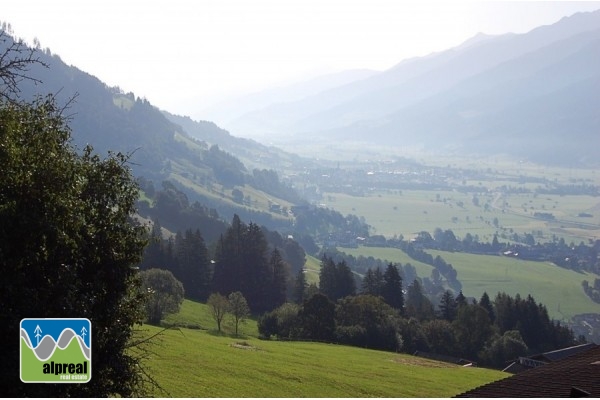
point(198, 316)
point(559, 289)
point(312, 267)
point(389, 254)
point(410, 211)
point(200, 363)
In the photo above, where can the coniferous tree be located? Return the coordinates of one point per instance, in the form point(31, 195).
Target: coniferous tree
point(229, 273)
point(336, 280)
point(328, 278)
point(241, 264)
point(346, 285)
point(195, 270)
point(461, 300)
point(392, 288)
point(417, 304)
point(370, 285)
point(280, 278)
point(180, 256)
point(486, 303)
point(154, 253)
point(448, 306)
point(373, 282)
point(505, 312)
point(191, 260)
point(300, 286)
point(258, 276)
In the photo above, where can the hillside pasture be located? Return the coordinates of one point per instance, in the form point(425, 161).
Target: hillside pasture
point(199, 363)
point(389, 254)
point(312, 268)
point(557, 288)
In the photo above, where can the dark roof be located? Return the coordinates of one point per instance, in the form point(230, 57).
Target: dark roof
point(564, 353)
point(574, 376)
point(515, 368)
point(524, 363)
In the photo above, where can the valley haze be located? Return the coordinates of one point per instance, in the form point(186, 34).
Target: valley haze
point(434, 189)
point(185, 56)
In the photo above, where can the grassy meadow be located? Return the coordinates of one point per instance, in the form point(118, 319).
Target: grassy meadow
point(202, 363)
point(411, 211)
point(557, 288)
point(312, 267)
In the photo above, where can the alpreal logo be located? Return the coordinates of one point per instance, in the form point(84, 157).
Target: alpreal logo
point(56, 350)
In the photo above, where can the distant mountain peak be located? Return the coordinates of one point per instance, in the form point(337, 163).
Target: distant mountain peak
point(479, 38)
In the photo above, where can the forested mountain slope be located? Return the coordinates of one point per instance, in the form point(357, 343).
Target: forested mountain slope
point(161, 150)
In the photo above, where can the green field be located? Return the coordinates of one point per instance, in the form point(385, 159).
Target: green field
point(557, 288)
point(411, 211)
point(312, 267)
point(201, 363)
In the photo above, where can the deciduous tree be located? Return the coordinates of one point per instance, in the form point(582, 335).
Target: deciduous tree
point(317, 318)
point(68, 247)
point(238, 308)
point(218, 307)
point(164, 293)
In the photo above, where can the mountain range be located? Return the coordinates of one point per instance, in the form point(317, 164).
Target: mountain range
point(204, 161)
point(531, 95)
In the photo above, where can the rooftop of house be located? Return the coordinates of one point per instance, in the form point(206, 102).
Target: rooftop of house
point(577, 375)
point(524, 363)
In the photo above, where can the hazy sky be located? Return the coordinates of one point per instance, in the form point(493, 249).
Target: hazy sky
point(185, 54)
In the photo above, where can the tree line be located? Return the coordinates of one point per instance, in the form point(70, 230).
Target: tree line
point(259, 263)
point(486, 332)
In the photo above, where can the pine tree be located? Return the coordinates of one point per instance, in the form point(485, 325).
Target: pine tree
point(300, 286)
point(373, 282)
point(417, 304)
point(153, 253)
point(368, 285)
point(328, 278)
point(229, 274)
point(258, 277)
point(196, 274)
point(461, 300)
point(486, 303)
point(392, 288)
point(280, 278)
point(448, 306)
point(346, 286)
